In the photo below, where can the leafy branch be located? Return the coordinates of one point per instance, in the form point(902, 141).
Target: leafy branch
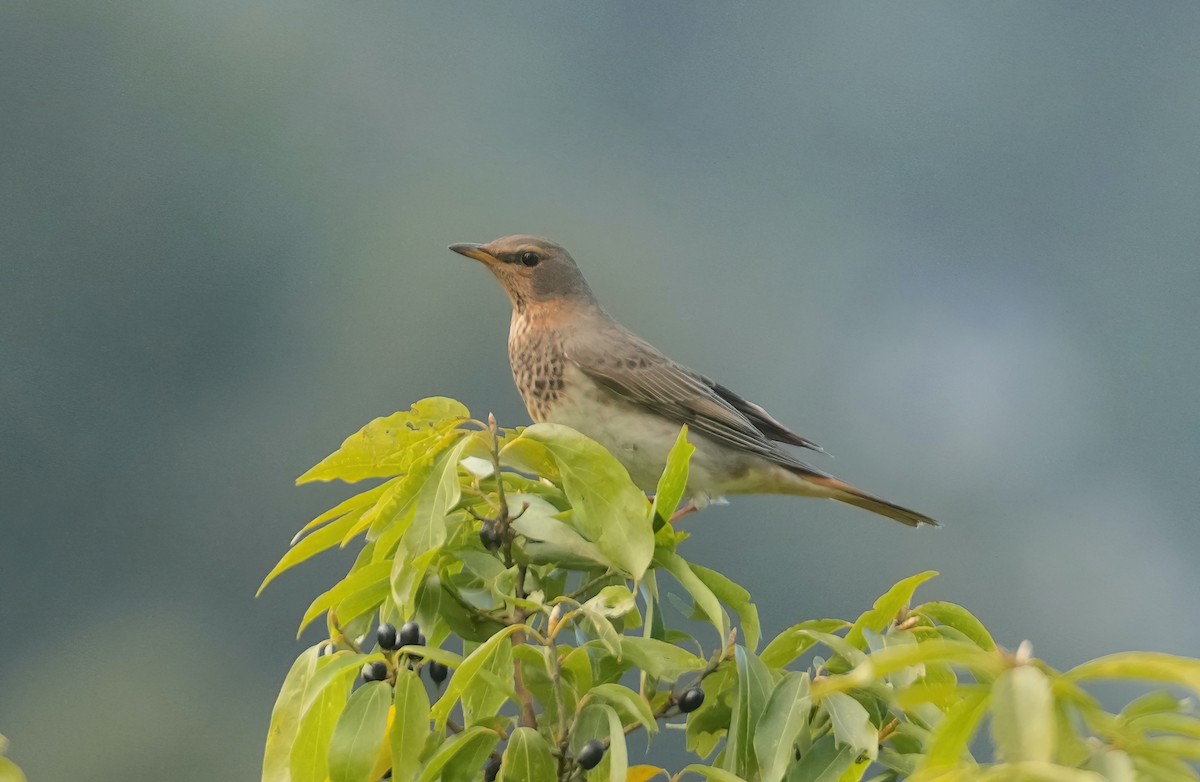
point(540, 601)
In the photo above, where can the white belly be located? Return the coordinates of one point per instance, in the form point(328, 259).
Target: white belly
point(642, 440)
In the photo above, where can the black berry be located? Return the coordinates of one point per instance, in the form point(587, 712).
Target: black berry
point(438, 672)
point(491, 770)
point(374, 672)
point(490, 537)
point(421, 639)
point(386, 635)
point(691, 700)
point(590, 756)
point(409, 634)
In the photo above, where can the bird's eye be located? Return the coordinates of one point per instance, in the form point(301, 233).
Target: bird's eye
point(530, 258)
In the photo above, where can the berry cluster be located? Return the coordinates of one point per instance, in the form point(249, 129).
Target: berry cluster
point(390, 640)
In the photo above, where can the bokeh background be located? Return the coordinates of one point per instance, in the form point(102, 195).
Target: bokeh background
point(958, 244)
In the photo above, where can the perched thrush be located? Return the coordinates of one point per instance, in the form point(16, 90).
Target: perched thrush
point(575, 365)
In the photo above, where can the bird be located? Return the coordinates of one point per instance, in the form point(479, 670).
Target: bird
point(575, 365)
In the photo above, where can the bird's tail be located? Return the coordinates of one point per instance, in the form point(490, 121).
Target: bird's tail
point(844, 492)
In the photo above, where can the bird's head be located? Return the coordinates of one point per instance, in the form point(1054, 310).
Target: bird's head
point(531, 270)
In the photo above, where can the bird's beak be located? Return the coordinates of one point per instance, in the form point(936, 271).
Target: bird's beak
point(475, 251)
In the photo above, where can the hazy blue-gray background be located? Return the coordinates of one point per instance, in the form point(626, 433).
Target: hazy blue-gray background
point(956, 243)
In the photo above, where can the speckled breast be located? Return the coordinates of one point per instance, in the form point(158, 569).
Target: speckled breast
point(535, 350)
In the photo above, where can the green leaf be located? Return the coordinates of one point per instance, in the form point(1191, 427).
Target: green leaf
point(1154, 702)
point(952, 737)
point(959, 618)
point(884, 612)
point(711, 774)
point(1038, 771)
point(612, 601)
point(560, 543)
point(370, 578)
point(704, 598)
point(360, 734)
point(673, 481)
point(9, 772)
point(706, 725)
point(1141, 666)
point(527, 758)
point(1181, 724)
point(632, 705)
point(331, 669)
point(361, 501)
point(826, 761)
point(1114, 765)
point(608, 508)
point(736, 598)
point(749, 702)
point(410, 725)
point(618, 753)
point(785, 716)
point(285, 717)
point(469, 745)
point(447, 658)
point(481, 700)
point(658, 658)
point(851, 724)
point(466, 673)
point(309, 758)
point(1164, 769)
point(796, 640)
point(427, 531)
point(387, 446)
point(604, 630)
point(1023, 716)
point(894, 658)
point(323, 539)
point(839, 646)
point(391, 517)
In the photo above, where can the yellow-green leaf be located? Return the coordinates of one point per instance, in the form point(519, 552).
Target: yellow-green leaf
point(951, 738)
point(471, 744)
point(785, 715)
point(360, 734)
point(618, 753)
point(959, 618)
point(466, 672)
point(673, 482)
point(1023, 716)
point(703, 597)
point(410, 726)
point(658, 658)
point(851, 724)
point(309, 758)
point(608, 508)
point(633, 705)
point(1141, 666)
point(527, 758)
point(886, 608)
point(370, 576)
point(796, 640)
point(712, 774)
point(387, 446)
point(285, 717)
point(323, 539)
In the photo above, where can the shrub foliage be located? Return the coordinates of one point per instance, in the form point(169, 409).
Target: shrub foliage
point(559, 599)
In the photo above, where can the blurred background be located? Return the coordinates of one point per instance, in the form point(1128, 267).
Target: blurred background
point(957, 244)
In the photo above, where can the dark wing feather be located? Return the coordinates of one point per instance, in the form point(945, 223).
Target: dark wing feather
point(762, 420)
point(636, 370)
